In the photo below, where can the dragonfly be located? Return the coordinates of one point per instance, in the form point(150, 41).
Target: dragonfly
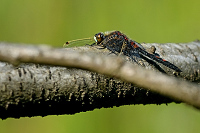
point(117, 42)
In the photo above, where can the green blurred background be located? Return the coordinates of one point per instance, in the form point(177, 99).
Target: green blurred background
point(54, 22)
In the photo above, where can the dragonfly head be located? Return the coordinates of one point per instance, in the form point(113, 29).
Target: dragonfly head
point(99, 37)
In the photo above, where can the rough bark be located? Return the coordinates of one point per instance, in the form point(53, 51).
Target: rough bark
point(32, 89)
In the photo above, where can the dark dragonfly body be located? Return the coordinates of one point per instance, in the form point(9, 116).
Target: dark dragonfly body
point(117, 42)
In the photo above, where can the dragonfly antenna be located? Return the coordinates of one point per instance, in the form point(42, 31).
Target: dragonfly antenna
point(73, 41)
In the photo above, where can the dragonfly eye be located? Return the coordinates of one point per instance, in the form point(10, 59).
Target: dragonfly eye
point(99, 37)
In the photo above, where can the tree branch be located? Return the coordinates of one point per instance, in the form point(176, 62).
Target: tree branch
point(33, 90)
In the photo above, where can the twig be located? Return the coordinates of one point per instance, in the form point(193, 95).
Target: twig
point(109, 65)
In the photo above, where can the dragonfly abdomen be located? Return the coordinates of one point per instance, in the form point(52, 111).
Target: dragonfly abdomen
point(158, 59)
